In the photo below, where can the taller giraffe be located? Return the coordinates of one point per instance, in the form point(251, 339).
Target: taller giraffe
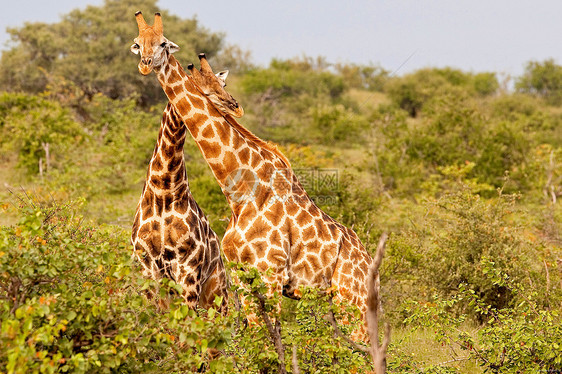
point(274, 224)
point(171, 235)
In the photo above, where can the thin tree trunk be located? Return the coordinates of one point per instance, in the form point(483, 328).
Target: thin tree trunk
point(47, 156)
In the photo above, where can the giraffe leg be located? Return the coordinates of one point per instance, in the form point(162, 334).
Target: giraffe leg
point(191, 284)
point(346, 295)
point(215, 286)
point(267, 259)
point(274, 289)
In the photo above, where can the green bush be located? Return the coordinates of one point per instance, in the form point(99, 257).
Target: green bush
point(369, 77)
point(304, 333)
point(335, 123)
point(458, 231)
point(522, 338)
point(543, 79)
point(513, 107)
point(412, 91)
point(281, 79)
point(38, 130)
point(450, 132)
point(73, 302)
point(485, 83)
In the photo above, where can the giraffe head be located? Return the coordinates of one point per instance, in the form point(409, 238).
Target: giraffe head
point(151, 44)
point(213, 87)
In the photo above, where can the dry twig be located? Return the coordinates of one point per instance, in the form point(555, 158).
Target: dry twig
point(378, 352)
point(274, 331)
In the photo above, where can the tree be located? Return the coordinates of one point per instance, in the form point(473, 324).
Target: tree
point(38, 130)
point(89, 49)
point(543, 79)
point(412, 91)
point(369, 77)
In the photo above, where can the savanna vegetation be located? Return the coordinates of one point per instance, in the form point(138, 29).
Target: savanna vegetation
point(462, 169)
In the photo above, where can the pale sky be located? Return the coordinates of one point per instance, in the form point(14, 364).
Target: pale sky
point(497, 35)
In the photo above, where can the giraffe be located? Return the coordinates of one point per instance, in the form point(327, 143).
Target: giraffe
point(171, 235)
point(274, 224)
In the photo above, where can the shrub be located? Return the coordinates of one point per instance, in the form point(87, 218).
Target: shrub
point(450, 132)
point(461, 229)
point(335, 123)
point(412, 91)
point(39, 130)
point(282, 79)
point(454, 132)
point(369, 77)
point(72, 301)
point(485, 83)
point(522, 338)
point(543, 79)
point(301, 338)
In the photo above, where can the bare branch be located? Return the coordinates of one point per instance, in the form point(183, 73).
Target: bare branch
point(547, 276)
point(453, 360)
point(274, 331)
point(378, 352)
point(340, 334)
point(295, 361)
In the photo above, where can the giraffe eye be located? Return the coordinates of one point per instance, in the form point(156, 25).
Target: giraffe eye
point(163, 45)
point(136, 46)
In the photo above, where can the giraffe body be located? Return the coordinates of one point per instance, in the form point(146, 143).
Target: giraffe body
point(279, 227)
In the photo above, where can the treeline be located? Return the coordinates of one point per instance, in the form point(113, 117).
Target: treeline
point(463, 171)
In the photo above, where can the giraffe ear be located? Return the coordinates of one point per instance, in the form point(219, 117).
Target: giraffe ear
point(135, 48)
point(222, 77)
point(172, 47)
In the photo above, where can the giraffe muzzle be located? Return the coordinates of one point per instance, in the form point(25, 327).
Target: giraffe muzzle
point(238, 112)
point(145, 66)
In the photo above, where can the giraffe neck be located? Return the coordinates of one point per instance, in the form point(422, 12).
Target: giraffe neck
point(166, 171)
point(226, 145)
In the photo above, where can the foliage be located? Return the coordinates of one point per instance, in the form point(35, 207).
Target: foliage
point(89, 49)
point(412, 91)
point(335, 123)
point(370, 77)
point(522, 338)
point(38, 130)
point(452, 131)
point(282, 79)
point(287, 98)
point(459, 231)
point(543, 79)
point(304, 333)
point(485, 83)
point(71, 301)
point(449, 132)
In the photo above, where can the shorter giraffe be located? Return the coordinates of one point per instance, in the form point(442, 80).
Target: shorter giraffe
point(171, 235)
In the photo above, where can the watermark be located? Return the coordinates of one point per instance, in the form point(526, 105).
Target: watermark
point(313, 179)
point(242, 186)
point(245, 185)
